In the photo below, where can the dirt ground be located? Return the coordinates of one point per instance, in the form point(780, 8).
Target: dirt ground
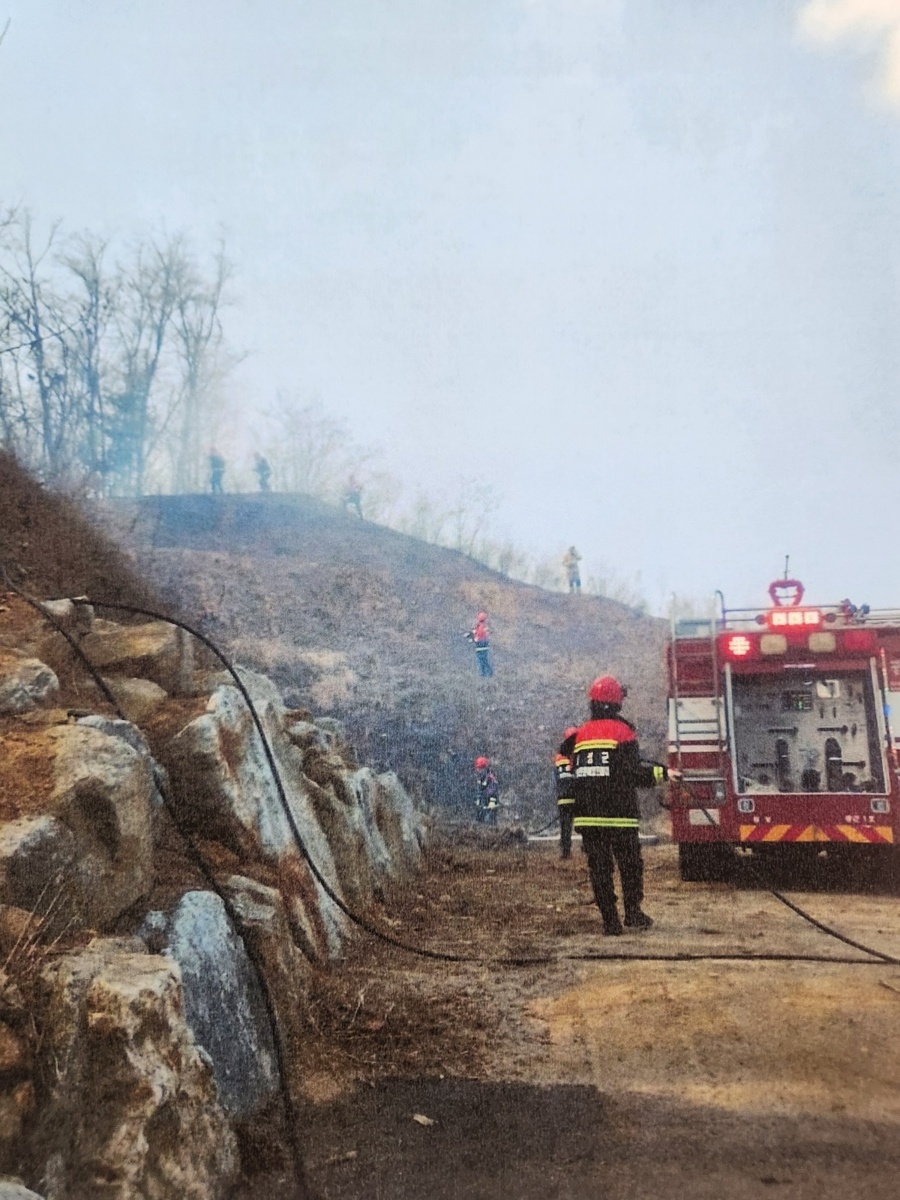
point(593, 1077)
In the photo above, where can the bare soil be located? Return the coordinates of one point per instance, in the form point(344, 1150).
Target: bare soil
point(603, 1076)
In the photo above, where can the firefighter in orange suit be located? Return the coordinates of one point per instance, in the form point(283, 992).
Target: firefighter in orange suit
point(608, 769)
point(565, 798)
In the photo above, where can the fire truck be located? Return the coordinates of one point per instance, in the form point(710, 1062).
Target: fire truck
point(780, 724)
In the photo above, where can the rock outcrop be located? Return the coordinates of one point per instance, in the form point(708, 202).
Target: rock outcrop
point(25, 683)
point(131, 1109)
point(164, 901)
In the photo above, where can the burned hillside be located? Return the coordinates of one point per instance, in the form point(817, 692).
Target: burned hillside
point(368, 625)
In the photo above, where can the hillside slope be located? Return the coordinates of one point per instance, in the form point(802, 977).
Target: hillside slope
point(368, 625)
point(49, 547)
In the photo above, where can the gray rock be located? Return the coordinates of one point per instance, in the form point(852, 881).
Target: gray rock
point(88, 857)
point(138, 699)
point(220, 774)
point(222, 1002)
point(36, 856)
point(305, 735)
point(74, 618)
point(114, 727)
point(156, 651)
point(131, 1108)
point(11, 1189)
point(25, 683)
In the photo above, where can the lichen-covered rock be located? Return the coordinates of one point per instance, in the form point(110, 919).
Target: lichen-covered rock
point(223, 1005)
point(358, 841)
point(222, 782)
point(131, 1110)
point(265, 925)
point(155, 650)
point(36, 855)
point(74, 618)
point(88, 857)
point(25, 683)
point(102, 793)
point(11, 1189)
point(138, 699)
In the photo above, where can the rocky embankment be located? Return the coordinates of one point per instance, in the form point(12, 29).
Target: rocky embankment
point(160, 923)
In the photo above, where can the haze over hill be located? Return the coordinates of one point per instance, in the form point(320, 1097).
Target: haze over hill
point(368, 625)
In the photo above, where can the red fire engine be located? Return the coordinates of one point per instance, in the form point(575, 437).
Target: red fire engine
point(779, 720)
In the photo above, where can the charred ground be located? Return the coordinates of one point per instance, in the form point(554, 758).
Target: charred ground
point(368, 625)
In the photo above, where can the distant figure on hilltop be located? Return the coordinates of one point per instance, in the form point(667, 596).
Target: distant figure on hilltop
point(353, 496)
point(480, 637)
point(573, 574)
point(216, 471)
point(263, 472)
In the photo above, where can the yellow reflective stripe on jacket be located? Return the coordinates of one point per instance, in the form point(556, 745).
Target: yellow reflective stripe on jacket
point(606, 822)
point(597, 744)
point(566, 800)
point(659, 773)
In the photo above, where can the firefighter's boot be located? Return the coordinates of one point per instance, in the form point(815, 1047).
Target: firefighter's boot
point(635, 919)
point(612, 926)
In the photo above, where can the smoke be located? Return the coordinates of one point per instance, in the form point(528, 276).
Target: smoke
point(872, 24)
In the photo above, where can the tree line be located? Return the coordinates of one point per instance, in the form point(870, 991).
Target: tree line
point(112, 364)
point(109, 357)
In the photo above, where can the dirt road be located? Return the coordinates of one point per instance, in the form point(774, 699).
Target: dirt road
point(580, 1079)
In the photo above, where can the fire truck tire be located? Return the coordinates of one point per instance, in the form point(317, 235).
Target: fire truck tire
point(710, 863)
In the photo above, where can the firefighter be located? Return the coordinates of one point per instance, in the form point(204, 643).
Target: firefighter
point(263, 472)
point(608, 769)
point(353, 496)
point(216, 470)
point(570, 561)
point(565, 798)
point(487, 801)
point(480, 637)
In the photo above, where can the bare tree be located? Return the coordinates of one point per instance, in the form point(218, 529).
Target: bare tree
point(148, 292)
point(94, 304)
point(198, 339)
point(36, 325)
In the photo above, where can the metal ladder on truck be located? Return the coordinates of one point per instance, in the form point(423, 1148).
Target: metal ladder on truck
point(697, 722)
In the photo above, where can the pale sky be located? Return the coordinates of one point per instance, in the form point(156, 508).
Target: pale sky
point(634, 262)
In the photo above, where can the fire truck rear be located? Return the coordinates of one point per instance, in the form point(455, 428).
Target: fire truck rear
point(779, 720)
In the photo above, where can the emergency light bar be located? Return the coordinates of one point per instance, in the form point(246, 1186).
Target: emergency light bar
point(783, 618)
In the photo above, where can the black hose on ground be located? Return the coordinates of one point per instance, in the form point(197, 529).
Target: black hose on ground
point(447, 956)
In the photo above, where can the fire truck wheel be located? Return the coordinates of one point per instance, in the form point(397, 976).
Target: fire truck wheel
point(709, 863)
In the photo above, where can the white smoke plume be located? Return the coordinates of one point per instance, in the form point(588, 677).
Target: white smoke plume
point(871, 24)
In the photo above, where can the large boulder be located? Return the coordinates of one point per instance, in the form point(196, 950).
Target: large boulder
point(11, 1189)
point(130, 1110)
point(359, 828)
point(223, 784)
point(138, 699)
point(88, 857)
point(223, 1005)
point(266, 929)
point(156, 650)
point(25, 683)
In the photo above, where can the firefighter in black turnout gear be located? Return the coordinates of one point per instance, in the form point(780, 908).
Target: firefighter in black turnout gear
point(608, 769)
point(565, 796)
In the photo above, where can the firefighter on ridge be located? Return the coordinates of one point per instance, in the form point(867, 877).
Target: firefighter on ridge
point(487, 801)
point(608, 769)
point(479, 636)
point(570, 562)
point(216, 471)
point(565, 796)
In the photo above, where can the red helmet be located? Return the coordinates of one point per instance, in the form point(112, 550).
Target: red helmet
point(572, 729)
point(606, 690)
point(482, 617)
point(480, 762)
